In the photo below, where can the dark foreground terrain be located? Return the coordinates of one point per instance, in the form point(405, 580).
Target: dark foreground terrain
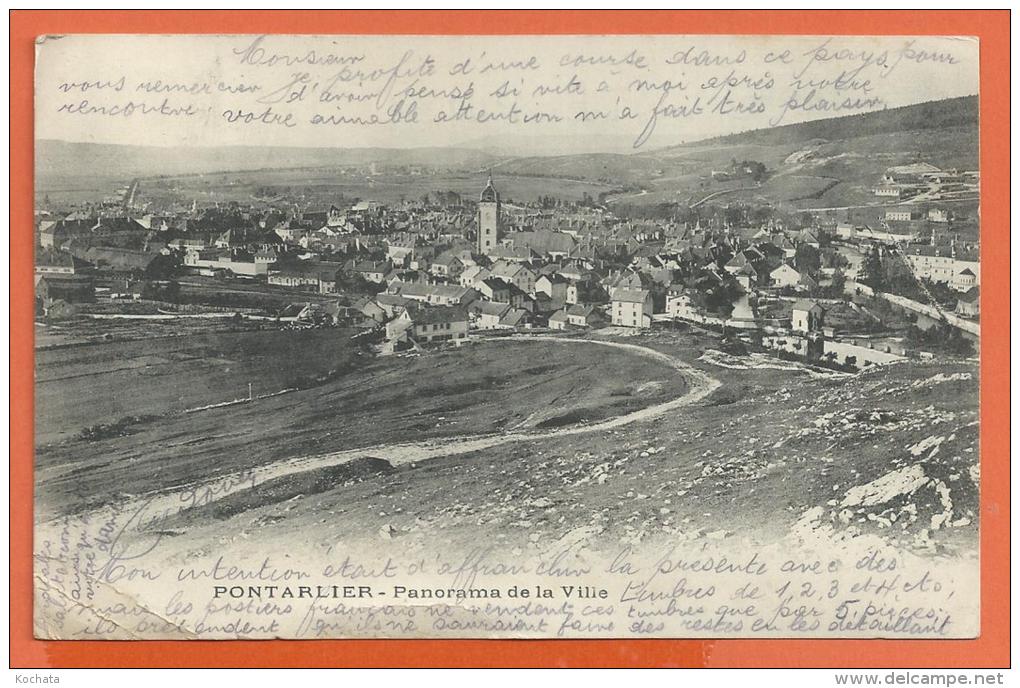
point(893, 452)
point(136, 439)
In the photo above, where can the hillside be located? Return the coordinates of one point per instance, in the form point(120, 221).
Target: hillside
point(938, 114)
point(820, 164)
point(823, 163)
point(834, 161)
point(63, 159)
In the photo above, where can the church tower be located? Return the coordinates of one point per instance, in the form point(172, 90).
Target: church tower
point(489, 221)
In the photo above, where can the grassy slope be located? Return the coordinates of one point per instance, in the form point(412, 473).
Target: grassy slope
point(86, 385)
point(938, 114)
point(481, 389)
point(749, 460)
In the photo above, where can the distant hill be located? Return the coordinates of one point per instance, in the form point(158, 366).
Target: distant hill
point(937, 114)
point(62, 159)
point(823, 163)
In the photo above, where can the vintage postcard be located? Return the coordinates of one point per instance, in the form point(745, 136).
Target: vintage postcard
point(506, 337)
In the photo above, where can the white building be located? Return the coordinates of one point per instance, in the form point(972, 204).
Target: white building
point(785, 276)
point(632, 308)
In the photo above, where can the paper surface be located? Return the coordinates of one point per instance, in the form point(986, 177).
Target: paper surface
point(549, 337)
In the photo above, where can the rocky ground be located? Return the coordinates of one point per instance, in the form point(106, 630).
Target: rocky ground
point(776, 449)
point(751, 461)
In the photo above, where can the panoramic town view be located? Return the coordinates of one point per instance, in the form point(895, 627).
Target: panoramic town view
point(752, 338)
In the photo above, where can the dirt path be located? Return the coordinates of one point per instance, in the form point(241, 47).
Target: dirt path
point(700, 386)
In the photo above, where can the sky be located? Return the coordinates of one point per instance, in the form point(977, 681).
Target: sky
point(589, 93)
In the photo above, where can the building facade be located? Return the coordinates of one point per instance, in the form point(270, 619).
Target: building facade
point(489, 220)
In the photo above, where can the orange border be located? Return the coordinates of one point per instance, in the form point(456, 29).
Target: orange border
point(990, 650)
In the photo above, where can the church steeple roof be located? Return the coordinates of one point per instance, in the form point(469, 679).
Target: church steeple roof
point(489, 194)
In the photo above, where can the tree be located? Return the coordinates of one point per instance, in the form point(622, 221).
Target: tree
point(838, 283)
point(807, 259)
point(734, 215)
point(872, 273)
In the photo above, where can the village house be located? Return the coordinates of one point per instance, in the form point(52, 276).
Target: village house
point(749, 277)
point(632, 307)
point(785, 276)
point(266, 257)
point(336, 244)
point(434, 294)
point(577, 316)
point(400, 248)
point(493, 289)
point(447, 265)
point(807, 316)
point(137, 263)
point(51, 289)
point(912, 173)
point(313, 275)
point(237, 262)
point(554, 286)
point(50, 262)
point(969, 304)
point(559, 320)
point(328, 273)
point(930, 262)
point(808, 283)
point(372, 271)
point(429, 326)
point(901, 215)
point(785, 244)
point(301, 274)
point(811, 236)
point(517, 274)
point(392, 305)
point(574, 271)
point(512, 254)
point(964, 279)
point(472, 275)
point(371, 309)
point(679, 304)
point(627, 279)
point(290, 231)
point(545, 243)
point(887, 191)
point(516, 318)
point(945, 265)
point(488, 314)
point(187, 244)
point(247, 238)
point(520, 299)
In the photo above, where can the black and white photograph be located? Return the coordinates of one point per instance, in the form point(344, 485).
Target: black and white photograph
point(506, 337)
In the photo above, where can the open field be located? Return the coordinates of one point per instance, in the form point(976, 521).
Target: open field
point(793, 450)
point(889, 453)
point(101, 383)
point(323, 186)
point(242, 293)
point(83, 330)
point(483, 388)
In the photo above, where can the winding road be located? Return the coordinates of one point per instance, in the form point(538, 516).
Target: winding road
point(700, 386)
